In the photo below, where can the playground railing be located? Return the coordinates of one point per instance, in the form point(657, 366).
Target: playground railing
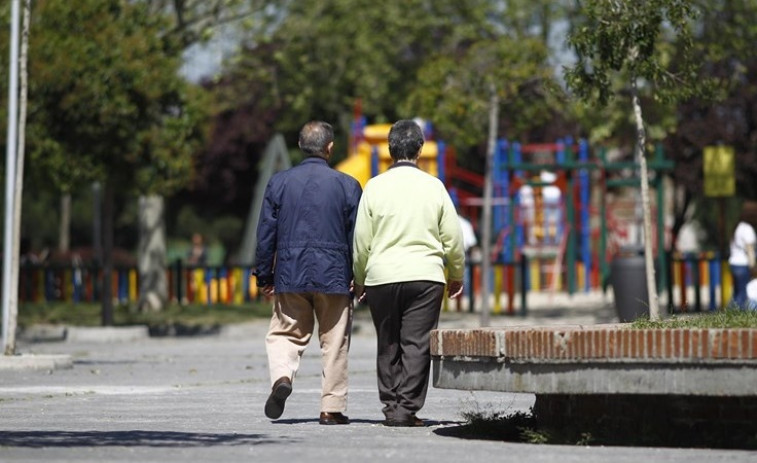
point(186, 284)
point(696, 282)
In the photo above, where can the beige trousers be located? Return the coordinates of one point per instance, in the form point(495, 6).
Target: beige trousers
point(292, 325)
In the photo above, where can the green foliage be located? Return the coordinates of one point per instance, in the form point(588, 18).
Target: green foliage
point(639, 40)
point(323, 56)
point(106, 101)
point(454, 91)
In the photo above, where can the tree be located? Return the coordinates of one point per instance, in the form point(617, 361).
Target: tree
point(195, 21)
point(724, 44)
point(323, 55)
point(615, 37)
point(454, 90)
point(108, 104)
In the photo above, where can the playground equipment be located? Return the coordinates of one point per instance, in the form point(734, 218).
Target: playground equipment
point(564, 240)
point(369, 152)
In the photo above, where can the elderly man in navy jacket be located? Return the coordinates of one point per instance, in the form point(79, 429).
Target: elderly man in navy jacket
point(304, 259)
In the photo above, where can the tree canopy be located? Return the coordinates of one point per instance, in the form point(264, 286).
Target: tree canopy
point(106, 101)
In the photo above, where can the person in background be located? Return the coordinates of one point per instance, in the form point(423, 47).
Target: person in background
point(304, 260)
point(469, 234)
point(406, 230)
point(751, 290)
point(742, 257)
point(198, 253)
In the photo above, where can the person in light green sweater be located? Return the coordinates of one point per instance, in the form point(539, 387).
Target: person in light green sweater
point(406, 232)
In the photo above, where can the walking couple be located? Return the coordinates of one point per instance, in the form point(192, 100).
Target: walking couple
point(322, 242)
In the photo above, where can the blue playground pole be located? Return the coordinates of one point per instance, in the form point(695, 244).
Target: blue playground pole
point(500, 178)
point(518, 225)
point(715, 281)
point(583, 176)
point(374, 161)
point(441, 165)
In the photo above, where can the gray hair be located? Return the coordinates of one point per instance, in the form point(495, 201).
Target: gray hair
point(405, 140)
point(315, 137)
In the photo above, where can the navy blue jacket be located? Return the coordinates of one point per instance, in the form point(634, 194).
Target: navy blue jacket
point(305, 229)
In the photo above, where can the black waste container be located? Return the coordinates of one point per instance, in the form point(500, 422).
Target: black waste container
point(629, 284)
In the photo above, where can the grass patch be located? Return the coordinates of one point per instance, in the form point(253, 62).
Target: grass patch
point(722, 319)
point(90, 314)
point(493, 425)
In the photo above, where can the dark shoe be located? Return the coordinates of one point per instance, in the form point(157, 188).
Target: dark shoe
point(333, 418)
point(411, 422)
point(281, 389)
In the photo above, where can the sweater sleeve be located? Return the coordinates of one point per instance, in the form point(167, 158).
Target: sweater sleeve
point(362, 241)
point(451, 236)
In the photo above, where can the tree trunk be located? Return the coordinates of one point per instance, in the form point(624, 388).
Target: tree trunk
point(654, 308)
point(153, 287)
point(64, 231)
point(486, 232)
point(107, 292)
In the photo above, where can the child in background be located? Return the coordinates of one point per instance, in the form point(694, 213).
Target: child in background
point(751, 290)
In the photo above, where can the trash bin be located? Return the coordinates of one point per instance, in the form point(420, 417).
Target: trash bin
point(629, 284)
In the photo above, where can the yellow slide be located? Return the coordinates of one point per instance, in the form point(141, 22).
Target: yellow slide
point(358, 163)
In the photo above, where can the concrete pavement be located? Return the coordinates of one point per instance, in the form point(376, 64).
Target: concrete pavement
point(201, 398)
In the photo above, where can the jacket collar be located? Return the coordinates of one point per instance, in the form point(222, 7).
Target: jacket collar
point(404, 163)
point(314, 160)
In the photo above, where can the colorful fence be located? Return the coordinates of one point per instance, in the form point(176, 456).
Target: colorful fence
point(186, 284)
point(696, 282)
point(699, 281)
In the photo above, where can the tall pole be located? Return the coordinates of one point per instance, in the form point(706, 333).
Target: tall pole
point(654, 308)
point(10, 172)
point(10, 341)
point(487, 212)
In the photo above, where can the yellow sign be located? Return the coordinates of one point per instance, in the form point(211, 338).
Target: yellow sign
point(718, 166)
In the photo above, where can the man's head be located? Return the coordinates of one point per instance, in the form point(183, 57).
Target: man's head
point(317, 139)
point(405, 140)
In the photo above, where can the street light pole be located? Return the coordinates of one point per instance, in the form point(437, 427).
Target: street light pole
point(10, 175)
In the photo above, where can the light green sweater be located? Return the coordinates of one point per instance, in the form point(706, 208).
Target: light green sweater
point(406, 230)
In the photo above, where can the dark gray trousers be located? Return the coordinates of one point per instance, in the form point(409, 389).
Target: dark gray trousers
point(404, 315)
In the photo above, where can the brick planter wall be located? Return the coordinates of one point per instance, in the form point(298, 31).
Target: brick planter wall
point(688, 387)
point(610, 342)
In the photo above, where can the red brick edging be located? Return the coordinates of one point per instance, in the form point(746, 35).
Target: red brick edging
point(607, 342)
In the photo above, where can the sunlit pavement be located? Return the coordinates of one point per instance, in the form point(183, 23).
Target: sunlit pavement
point(201, 399)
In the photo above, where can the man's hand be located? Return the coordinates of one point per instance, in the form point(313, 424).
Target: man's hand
point(359, 291)
point(454, 288)
point(268, 290)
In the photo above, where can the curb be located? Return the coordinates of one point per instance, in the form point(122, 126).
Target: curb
point(107, 333)
point(35, 362)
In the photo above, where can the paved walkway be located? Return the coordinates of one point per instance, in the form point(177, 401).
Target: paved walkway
point(201, 399)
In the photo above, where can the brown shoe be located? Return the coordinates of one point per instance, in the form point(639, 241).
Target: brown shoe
point(411, 422)
point(333, 418)
point(281, 389)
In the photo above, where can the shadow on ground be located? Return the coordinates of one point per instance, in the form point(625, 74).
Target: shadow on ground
point(42, 439)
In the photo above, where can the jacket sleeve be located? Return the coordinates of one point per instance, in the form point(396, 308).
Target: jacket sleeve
point(451, 236)
point(352, 206)
point(362, 241)
point(265, 250)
